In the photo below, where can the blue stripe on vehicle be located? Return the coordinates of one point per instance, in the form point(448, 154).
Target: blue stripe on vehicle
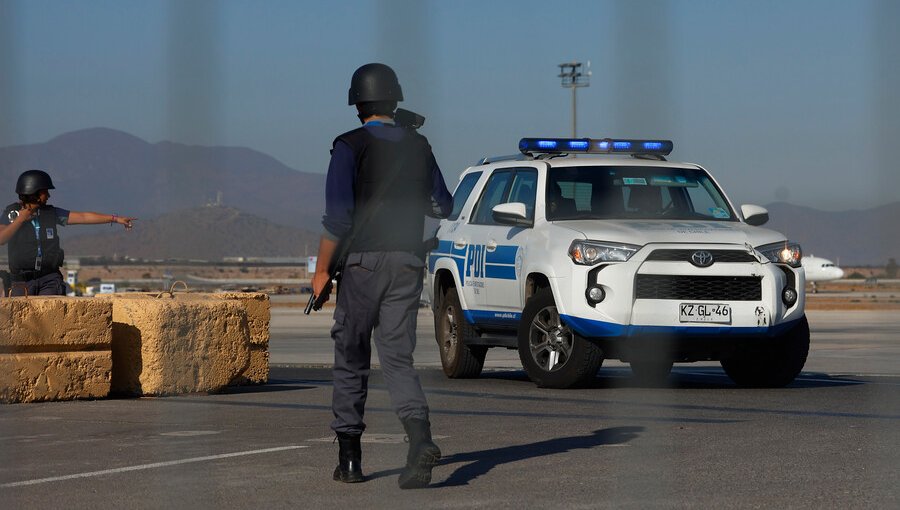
point(500, 272)
point(498, 264)
point(443, 249)
point(487, 317)
point(446, 249)
point(502, 255)
point(593, 329)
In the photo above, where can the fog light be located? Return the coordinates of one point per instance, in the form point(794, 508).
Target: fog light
point(789, 296)
point(595, 295)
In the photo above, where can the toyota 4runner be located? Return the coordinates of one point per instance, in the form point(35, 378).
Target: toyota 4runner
point(580, 250)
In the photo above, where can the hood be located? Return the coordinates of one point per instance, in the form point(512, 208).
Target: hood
point(641, 232)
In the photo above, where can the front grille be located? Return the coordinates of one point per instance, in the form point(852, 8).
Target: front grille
point(701, 288)
point(680, 255)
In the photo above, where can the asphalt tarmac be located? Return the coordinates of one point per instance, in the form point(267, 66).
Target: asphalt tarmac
point(829, 440)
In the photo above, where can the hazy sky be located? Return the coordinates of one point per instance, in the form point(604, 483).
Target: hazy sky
point(781, 100)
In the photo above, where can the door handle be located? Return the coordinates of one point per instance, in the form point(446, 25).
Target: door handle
point(459, 243)
point(491, 245)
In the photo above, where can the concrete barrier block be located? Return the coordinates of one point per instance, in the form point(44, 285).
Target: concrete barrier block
point(258, 309)
point(164, 346)
point(54, 348)
point(54, 376)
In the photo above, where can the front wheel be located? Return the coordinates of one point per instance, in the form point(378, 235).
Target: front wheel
point(773, 364)
point(458, 359)
point(552, 354)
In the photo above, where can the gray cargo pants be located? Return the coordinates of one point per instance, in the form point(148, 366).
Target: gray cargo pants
point(48, 285)
point(380, 291)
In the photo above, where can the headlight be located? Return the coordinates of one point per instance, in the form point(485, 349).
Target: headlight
point(588, 253)
point(782, 253)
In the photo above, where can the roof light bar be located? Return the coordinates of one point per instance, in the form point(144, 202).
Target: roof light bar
point(594, 146)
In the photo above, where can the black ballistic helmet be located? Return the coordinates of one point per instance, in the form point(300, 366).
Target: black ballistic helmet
point(32, 181)
point(374, 82)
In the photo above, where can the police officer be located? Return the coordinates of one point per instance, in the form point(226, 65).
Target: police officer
point(30, 228)
point(382, 180)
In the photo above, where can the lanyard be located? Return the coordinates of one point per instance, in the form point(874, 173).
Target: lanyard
point(37, 234)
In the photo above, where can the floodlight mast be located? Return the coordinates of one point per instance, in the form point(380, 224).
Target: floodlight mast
point(572, 78)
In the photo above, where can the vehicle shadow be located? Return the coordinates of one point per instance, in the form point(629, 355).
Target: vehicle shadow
point(682, 377)
point(480, 462)
point(687, 377)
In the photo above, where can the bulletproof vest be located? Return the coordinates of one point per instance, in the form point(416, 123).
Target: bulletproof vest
point(23, 247)
point(399, 173)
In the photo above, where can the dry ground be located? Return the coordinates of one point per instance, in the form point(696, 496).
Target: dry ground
point(125, 272)
point(837, 295)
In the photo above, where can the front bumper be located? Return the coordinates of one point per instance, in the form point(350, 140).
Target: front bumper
point(626, 313)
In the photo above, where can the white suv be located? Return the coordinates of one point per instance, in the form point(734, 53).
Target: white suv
point(578, 250)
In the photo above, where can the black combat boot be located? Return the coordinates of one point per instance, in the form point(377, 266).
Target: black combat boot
point(349, 468)
point(422, 457)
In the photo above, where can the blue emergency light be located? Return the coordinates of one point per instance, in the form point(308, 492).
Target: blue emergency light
point(594, 146)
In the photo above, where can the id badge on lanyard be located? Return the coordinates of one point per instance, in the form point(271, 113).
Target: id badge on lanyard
point(37, 235)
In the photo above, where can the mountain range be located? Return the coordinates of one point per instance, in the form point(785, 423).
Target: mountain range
point(109, 171)
point(265, 208)
point(205, 233)
point(866, 237)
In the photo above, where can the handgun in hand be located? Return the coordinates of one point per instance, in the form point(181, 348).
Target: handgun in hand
point(315, 302)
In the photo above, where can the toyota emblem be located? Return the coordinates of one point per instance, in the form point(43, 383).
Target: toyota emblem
point(702, 258)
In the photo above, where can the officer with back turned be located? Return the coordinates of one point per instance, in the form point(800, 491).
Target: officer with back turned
point(30, 228)
point(382, 181)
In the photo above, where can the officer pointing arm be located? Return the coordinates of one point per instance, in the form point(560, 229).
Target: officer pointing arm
point(30, 228)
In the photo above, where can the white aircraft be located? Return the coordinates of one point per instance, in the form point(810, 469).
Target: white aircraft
point(820, 270)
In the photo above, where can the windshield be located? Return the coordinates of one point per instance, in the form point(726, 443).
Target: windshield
point(603, 192)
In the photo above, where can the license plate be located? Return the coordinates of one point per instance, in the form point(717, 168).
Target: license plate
point(705, 312)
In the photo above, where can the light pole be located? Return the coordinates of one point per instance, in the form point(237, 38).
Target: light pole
point(572, 78)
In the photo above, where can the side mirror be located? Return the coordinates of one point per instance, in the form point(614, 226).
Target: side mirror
point(754, 214)
point(511, 213)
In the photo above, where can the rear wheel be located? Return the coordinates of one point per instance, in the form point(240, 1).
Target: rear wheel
point(774, 364)
point(459, 360)
point(552, 354)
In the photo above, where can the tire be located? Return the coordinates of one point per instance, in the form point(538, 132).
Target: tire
point(458, 359)
point(552, 354)
point(775, 364)
point(651, 373)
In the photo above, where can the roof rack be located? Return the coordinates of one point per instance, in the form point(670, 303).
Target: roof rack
point(509, 157)
point(655, 157)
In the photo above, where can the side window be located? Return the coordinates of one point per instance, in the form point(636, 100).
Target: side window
point(463, 190)
point(493, 194)
point(524, 189)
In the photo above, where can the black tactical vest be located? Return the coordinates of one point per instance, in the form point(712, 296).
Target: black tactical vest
point(399, 172)
point(23, 247)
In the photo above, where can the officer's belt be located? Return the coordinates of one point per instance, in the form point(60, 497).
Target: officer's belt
point(27, 276)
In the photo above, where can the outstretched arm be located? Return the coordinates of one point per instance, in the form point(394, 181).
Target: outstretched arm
point(92, 218)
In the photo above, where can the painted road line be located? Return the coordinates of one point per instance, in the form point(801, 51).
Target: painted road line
point(376, 438)
point(149, 466)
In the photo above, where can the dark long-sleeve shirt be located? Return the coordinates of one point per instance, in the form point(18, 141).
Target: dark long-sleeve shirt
point(339, 193)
